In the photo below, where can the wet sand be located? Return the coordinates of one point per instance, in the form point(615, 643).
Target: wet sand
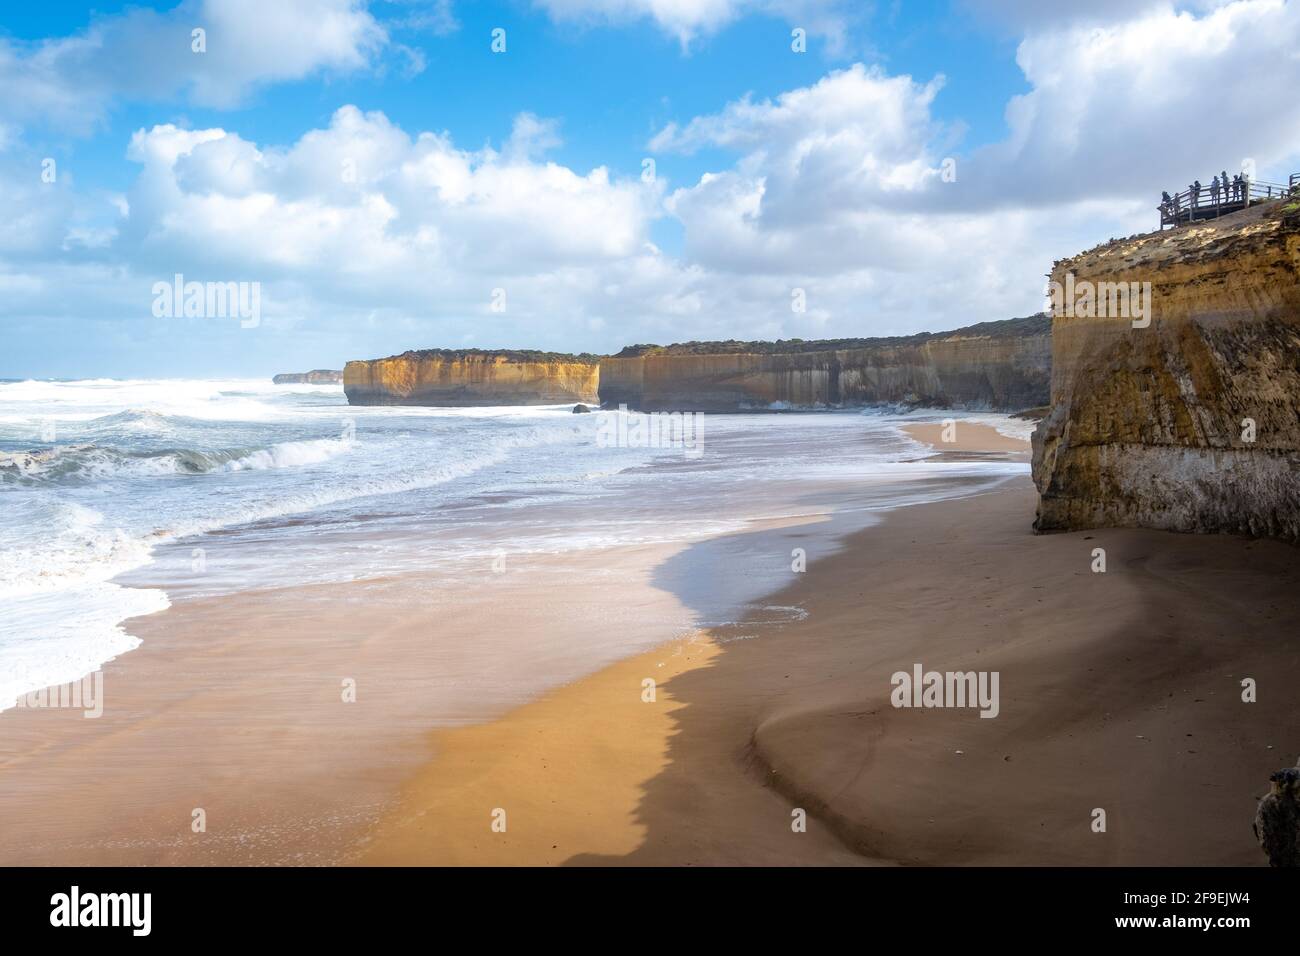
point(1119, 691)
point(288, 717)
point(291, 715)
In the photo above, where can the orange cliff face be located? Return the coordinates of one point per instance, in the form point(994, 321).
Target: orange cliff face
point(1187, 417)
point(995, 365)
point(468, 378)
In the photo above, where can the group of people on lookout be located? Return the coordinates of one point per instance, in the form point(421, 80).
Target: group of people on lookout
point(1222, 189)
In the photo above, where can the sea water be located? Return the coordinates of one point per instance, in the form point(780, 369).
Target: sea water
point(120, 496)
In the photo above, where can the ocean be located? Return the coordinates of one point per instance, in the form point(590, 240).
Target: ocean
point(121, 497)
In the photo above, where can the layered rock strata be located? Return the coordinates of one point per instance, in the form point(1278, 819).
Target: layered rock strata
point(461, 378)
point(1187, 418)
point(994, 365)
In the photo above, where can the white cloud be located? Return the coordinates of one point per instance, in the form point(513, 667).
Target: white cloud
point(840, 184)
point(816, 188)
point(358, 215)
point(143, 54)
point(815, 162)
point(370, 238)
point(361, 231)
point(1150, 103)
point(437, 17)
point(887, 113)
point(531, 136)
point(1027, 15)
point(1115, 112)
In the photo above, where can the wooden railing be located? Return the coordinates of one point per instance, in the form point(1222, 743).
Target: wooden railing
point(1191, 206)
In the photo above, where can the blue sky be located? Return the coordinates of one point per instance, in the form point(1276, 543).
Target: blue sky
point(774, 170)
point(612, 87)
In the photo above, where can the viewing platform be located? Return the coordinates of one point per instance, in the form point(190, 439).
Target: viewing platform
point(1193, 206)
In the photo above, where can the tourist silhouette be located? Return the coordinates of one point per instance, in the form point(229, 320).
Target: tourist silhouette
point(1214, 190)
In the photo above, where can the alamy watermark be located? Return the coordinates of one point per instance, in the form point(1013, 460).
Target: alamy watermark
point(75, 908)
point(1085, 299)
point(922, 688)
point(624, 429)
point(86, 694)
point(209, 300)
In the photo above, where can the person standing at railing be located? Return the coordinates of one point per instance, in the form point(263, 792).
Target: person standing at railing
point(1214, 190)
point(1223, 178)
point(1195, 190)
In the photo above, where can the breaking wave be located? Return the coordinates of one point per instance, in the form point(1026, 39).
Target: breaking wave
point(90, 462)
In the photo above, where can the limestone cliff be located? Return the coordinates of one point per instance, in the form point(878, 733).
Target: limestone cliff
point(317, 376)
point(995, 365)
point(472, 377)
point(622, 380)
point(1191, 423)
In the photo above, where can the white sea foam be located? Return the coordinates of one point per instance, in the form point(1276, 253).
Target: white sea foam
point(60, 636)
point(141, 465)
point(62, 615)
point(119, 483)
point(1006, 425)
point(88, 462)
point(291, 454)
point(1003, 424)
point(73, 548)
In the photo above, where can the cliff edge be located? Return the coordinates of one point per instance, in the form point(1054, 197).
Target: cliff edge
point(993, 365)
point(1191, 421)
point(317, 376)
point(472, 377)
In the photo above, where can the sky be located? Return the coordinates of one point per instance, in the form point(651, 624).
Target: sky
point(580, 175)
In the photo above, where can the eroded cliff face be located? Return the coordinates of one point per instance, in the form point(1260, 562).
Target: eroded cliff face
point(1193, 422)
point(996, 365)
point(472, 378)
point(622, 381)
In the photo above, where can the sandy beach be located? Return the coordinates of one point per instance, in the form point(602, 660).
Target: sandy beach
point(1120, 691)
point(776, 437)
point(287, 716)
